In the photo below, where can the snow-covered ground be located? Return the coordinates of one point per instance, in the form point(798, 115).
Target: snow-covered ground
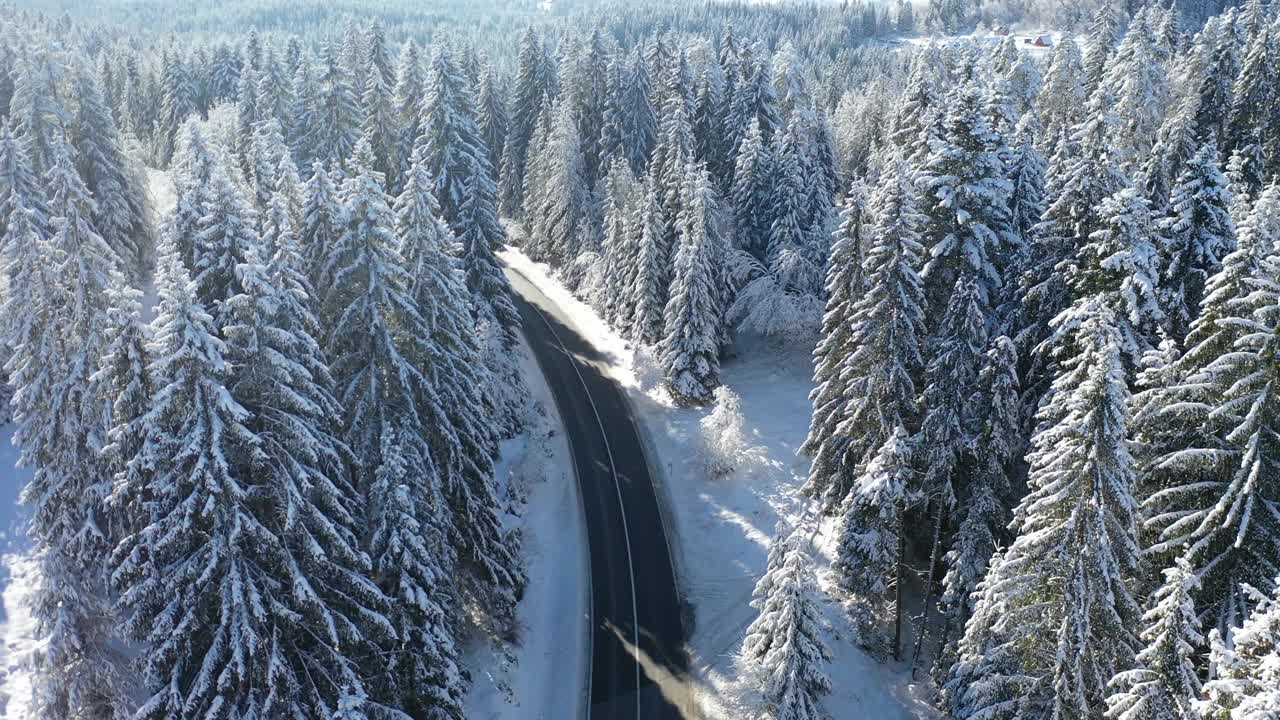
point(17, 631)
point(722, 526)
point(543, 678)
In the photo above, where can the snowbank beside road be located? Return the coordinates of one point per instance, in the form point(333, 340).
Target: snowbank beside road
point(544, 678)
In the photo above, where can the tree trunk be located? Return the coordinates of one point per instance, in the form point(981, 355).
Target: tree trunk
point(897, 587)
point(939, 517)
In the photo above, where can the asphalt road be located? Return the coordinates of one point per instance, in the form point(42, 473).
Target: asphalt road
point(638, 663)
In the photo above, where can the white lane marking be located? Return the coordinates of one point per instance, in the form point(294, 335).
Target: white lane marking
point(622, 508)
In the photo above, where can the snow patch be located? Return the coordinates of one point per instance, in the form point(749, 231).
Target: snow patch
point(724, 522)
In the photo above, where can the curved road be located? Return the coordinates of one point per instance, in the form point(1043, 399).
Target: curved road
point(638, 663)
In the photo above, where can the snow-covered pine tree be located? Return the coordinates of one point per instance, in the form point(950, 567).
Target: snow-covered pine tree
point(1065, 616)
point(1218, 68)
point(621, 246)
point(225, 235)
point(783, 650)
point(869, 555)
point(1100, 44)
point(694, 315)
point(1166, 682)
point(559, 209)
point(380, 127)
point(1246, 681)
point(1246, 176)
point(751, 192)
point(1118, 265)
point(1198, 234)
point(177, 102)
point(886, 329)
point(1187, 459)
point(1175, 143)
point(653, 275)
point(194, 550)
point(19, 186)
point(335, 125)
point(968, 232)
point(52, 318)
point(531, 91)
point(639, 118)
point(493, 580)
point(784, 299)
point(322, 222)
point(1026, 172)
point(275, 93)
point(480, 235)
point(1254, 91)
point(845, 286)
point(248, 114)
point(1138, 82)
point(1081, 176)
point(1062, 99)
point(982, 510)
point(947, 429)
point(493, 119)
point(122, 214)
point(378, 345)
point(125, 388)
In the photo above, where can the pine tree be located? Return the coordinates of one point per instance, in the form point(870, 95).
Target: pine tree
point(946, 433)
point(1118, 265)
point(201, 657)
point(1063, 615)
point(967, 202)
point(19, 187)
point(1188, 459)
point(1062, 100)
point(869, 556)
point(1174, 145)
point(122, 215)
point(558, 207)
point(845, 286)
point(982, 511)
point(176, 103)
point(380, 127)
point(752, 183)
point(886, 326)
point(621, 246)
point(1026, 173)
point(53, 329)
point(1246, 681)
point(378, 345)
point(783, 648)
point(322, 223)
point(653, 274)
point(1104, 33)
point(335, 125)
point(225, 235)
point(1081, 176)
point(531, 92)
point(1165, 682)
point(1198, 235)
point(124, 383)
point(694, 315)
point(493, 118)
point(437, 286)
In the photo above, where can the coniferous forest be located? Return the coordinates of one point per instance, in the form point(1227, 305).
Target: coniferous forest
point(1041, 289)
